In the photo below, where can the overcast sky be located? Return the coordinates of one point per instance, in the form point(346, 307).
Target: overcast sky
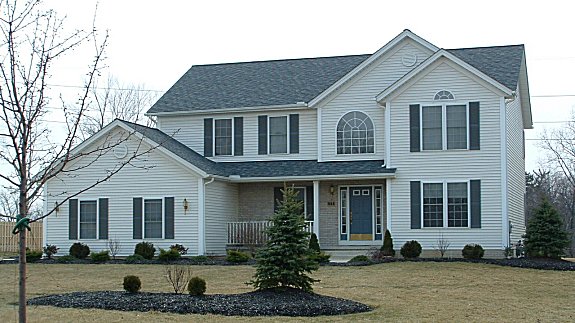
point(155, 42)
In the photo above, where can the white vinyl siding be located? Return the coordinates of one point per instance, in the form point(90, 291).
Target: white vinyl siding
point(165, 176)
point(221, 207)
point(447, 165)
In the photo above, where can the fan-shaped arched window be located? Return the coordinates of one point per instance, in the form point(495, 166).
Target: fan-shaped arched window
point(355, 134)
point(443, 95)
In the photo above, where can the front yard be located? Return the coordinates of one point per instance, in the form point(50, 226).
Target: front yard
point(403, 291)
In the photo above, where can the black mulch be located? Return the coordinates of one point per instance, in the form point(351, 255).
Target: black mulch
point(284, 302)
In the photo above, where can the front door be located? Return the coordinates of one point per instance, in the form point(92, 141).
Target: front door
point(360, 213)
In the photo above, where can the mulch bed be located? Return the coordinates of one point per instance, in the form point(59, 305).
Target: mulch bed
point(271, 302)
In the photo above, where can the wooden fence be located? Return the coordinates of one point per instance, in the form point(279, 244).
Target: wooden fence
point(9, 241)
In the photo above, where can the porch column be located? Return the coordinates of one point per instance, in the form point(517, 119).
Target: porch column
point(316, 208)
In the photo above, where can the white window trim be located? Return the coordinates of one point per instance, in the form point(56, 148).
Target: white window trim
point(445, 203)
point(288, 135)
point(97, 200)
point(144, 217)
point(443, 104)
point(214, 137)
point(374, 135)
point(383, 228)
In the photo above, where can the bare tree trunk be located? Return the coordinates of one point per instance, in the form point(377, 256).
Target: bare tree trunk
point(22, 280)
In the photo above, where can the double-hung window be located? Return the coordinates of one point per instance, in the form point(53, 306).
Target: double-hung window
point(224, 137)
point(445, 205)
point(223, 134)
point(278, 135)
point(153, 218)
point(88, 219)
point(444, 126)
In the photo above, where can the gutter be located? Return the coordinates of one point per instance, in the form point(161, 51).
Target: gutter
point(295, 106)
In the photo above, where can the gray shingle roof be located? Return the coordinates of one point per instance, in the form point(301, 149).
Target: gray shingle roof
point(282, 82)
point(260, 168)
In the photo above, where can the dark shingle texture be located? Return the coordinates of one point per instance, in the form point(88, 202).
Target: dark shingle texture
point(501, 63)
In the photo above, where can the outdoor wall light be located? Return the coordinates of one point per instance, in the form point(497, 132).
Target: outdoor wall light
point(56, 207)
point(332, 190)
point(186, 205)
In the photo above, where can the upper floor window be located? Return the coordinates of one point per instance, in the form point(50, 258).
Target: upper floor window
point(278, 135)
point(355, 134)
point(444, 127)
point(443, 95)
point(223, 137)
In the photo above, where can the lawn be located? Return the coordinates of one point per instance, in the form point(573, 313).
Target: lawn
point(454, 292)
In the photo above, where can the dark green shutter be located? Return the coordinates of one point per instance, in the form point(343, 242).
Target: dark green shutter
point(169, 218)
point(474, 126)
point(137, 218)
point(414, 129)
point(103, 219)
point(278, 197)
point(415, 204)
point(262, 135)
point(73, 219)
point(208, 137)
point(294, 133)
point(238, 136)
point(309, 200)
point(475, 203)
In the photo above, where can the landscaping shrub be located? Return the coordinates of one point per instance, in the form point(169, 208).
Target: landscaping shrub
point(66, 258)
point(472, 251)
point(411, 249)
point(178, 276)
point(314, 243)
point(236, 256)
point(387, 248)
point(79, 250)
point(321, 257)
point(169, 255)
point(199, 258)
point(33, 255)
point(545, 235)
point(359, 258)
point(179, 248)
point(134, 258)
point(50, 250)
point(101, 256)
point(132, 284)
point(197, 286)
point(145, 249)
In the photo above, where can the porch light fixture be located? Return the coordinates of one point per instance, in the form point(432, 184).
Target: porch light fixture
point(186, 205)
point(56, 207)
point(332, 190)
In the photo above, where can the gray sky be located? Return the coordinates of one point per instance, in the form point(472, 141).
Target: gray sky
point(155, 42)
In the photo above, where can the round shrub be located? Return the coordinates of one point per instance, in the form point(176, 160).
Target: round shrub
point(145, 249)
point(169, 255)
point(472, 251)
point(132, 284)
point(101, 256)
point(411, 249)
point(179, 248)
point(197, 286)
point(79, 250)
point(237, 256)
point(134, 259)
point(359, 258)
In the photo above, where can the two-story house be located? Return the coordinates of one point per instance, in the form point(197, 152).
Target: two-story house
point(423, 141)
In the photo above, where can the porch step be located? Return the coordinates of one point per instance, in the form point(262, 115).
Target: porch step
point(344, 255)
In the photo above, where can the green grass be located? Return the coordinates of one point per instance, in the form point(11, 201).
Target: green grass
point(407, 292)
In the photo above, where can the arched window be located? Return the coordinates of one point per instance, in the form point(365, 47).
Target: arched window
point(443, 95)
point(355, 134)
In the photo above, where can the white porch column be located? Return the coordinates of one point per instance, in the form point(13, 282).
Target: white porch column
point(316, 208)
point(201, 217)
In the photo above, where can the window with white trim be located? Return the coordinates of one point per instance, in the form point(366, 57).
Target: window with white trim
point(355, 134)
point(443, 95)
point(153, 219)
point(444, 126)
point(88, 219)
point(445, 205)
point(223, 134)
point(278, 135)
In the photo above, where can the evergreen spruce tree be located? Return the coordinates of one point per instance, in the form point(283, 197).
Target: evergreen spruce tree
point(545, 235)
point(314, 243)
point(285, 260)
point(387, 248)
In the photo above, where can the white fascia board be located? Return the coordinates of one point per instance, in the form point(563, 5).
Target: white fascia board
point(523, 90)
point(311, 178)
point(405, 34)
point(295, 106)
point(386, 94)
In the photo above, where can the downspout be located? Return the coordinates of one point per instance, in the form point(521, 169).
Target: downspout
point(202, 214)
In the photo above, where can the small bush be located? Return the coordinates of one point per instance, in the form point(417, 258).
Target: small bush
point(33, 255)
point(179, 248)
point(50, 250)
point(314, 243)
point(237, 256)
point(134, 259)
point(320, 257)
point(387, 248)
point(79, 250)
point(360, 258)
point(199, 258)
point(145, 249)
point(169, 255)
point(132, 284)
point(101, 256)
point(197, 286)
point(66, 258)
point(411, 249)
point(472, 251)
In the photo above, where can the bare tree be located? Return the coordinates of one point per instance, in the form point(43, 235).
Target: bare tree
point(8, 204)
point(31, 40)
point(178, 276)
point(117, 101)
point(114, 245)
point(442, 245)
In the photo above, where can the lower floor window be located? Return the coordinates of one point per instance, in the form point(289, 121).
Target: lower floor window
point(153, 218)
point(445, 204)
point(88, 219)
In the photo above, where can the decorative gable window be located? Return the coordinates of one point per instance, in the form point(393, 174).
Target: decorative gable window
point(278, 134)
point(223, 137)
point(355, 134)
point(443, 95)
point(88, 219)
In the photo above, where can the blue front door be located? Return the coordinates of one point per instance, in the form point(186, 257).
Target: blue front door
point(361, 213)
